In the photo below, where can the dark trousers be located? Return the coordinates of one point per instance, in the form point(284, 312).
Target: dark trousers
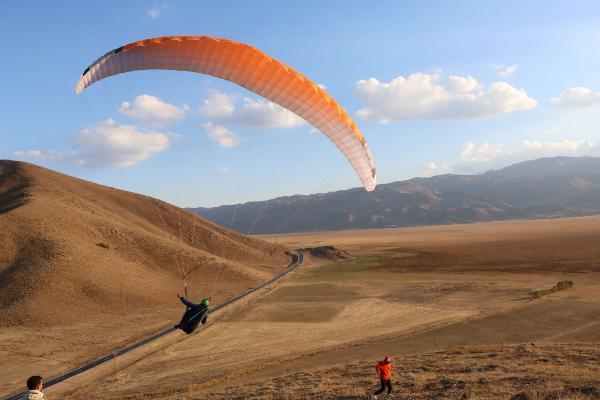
point(192, 318)
point(384, 383)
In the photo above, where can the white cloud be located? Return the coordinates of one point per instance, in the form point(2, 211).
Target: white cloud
point(219, 106)
point(265, 114)
point(576, 97)
point(48, 155)
point(559, 146)
point(120, 145)
point(223, 136)
point(487, 153)
point(431, 167)
point(462, 84)
point(505, 70)
point(424, 96)
point(437, 168)
point(152, 110)
point(223, 169)
point(154, 12)
point(107, 144)
point(254, 113)
point(467, 149)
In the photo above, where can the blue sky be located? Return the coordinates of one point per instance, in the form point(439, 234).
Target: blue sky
point(435, 87)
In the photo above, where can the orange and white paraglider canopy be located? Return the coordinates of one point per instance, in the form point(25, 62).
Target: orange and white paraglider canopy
point(251, 68)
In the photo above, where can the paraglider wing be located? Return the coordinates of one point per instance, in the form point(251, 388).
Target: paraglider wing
point(251, 68)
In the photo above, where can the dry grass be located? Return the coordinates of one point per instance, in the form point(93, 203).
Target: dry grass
point(449, 303)
point(558, 245)
point(86, 269)
point(508, 372)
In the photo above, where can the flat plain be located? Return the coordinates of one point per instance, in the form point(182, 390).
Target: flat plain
point(451, 305)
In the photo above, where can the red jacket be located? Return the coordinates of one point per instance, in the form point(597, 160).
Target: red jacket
point(384, 369)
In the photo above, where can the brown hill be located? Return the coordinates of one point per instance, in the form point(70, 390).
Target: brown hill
point(73, 251)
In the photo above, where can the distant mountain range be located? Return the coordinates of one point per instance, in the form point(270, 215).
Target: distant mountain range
point(543, 188)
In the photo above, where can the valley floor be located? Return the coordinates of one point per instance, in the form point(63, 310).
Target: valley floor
point(450, 304)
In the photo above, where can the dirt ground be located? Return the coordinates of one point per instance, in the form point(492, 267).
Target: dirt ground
point(86, 269)
point(450, 304)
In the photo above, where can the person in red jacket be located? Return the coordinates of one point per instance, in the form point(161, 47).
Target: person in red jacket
point(384, 369)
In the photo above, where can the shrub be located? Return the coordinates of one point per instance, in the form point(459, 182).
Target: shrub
point(562, 285)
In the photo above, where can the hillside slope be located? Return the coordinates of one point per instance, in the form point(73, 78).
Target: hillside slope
point(73, 251)
point(544, 188)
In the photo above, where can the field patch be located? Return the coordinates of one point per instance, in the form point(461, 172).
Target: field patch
point(318, 292)
point(311, 312)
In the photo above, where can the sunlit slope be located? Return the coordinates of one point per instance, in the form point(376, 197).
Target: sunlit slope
point(71, 250)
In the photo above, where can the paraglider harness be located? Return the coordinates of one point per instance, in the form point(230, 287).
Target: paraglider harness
point(193, 316)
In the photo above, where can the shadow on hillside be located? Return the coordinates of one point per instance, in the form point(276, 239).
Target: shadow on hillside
point(12, 190)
